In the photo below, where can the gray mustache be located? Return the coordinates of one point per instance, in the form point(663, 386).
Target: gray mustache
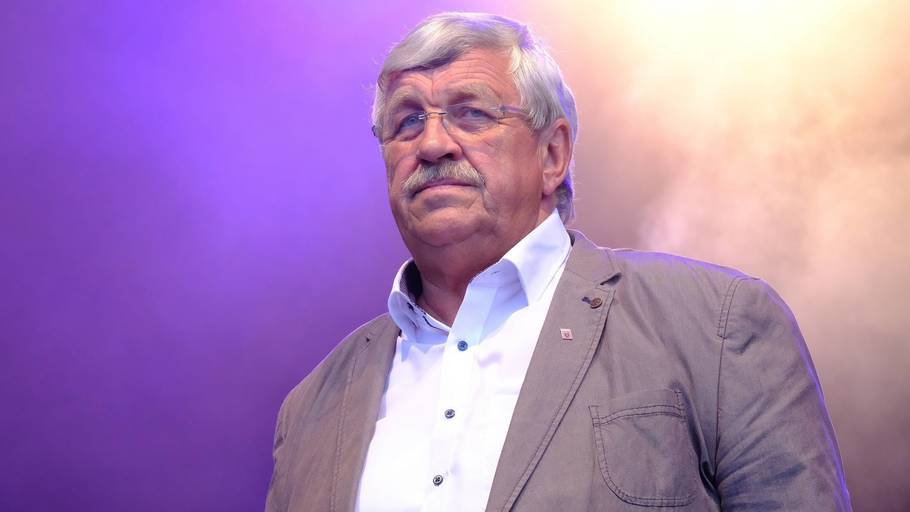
point(445, 170)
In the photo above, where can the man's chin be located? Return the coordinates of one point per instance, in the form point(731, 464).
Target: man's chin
point(444, 226)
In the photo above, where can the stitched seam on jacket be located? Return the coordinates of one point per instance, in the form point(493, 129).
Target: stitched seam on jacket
point(722, 323)
point(339, 440)
point(668, 409)
point(656, 412)
point(726, 306)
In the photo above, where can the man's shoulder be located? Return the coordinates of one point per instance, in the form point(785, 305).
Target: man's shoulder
point(677, 283)
point(664, 267)
point(648, 267)
point(683, 287)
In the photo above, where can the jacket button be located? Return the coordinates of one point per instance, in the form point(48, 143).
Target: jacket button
point(437, 480)
point(450, 413)
point(596, 302)
point(462, 345)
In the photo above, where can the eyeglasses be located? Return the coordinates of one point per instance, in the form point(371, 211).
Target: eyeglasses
point(459, 120)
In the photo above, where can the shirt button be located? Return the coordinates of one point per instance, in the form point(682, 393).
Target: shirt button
point(462, 345)
point(437, 480)
point(450, 413)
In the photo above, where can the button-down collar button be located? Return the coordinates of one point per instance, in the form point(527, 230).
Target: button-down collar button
point(437, 480)
point(596, 302)
point(462, 345)
point(450, 413)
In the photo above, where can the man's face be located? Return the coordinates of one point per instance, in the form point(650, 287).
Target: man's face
point(505, 199)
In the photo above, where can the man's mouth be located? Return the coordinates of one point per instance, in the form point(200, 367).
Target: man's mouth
point(441, 183)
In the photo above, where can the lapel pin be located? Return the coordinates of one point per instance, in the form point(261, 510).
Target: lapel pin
point(566, 334)
point(595, 303)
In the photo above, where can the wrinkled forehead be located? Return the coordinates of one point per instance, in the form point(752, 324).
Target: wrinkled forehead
point(482, 74)
point(411, 97)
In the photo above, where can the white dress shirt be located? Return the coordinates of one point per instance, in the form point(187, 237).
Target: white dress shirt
point(452, 389)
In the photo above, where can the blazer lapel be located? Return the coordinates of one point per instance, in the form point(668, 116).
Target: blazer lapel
point(359, 410)
point(580, 304)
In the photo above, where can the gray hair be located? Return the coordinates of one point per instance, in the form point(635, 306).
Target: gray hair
point(442, 38)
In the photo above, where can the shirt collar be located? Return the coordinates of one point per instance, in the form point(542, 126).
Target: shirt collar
point(536, 259)
point(538, 256)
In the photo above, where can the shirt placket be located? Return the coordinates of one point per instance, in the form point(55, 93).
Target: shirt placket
point(455, 404)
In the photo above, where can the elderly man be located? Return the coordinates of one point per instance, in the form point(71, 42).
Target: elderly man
point(520, 367)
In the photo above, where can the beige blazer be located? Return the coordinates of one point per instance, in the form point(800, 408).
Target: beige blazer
point(686, 387)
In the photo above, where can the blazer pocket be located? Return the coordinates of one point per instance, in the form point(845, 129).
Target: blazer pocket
point(643, 448)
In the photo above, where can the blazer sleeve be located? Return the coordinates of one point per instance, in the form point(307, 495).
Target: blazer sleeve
point(276, 499)
point(776, 448)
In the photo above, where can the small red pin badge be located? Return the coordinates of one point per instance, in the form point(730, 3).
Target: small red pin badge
point(566, 334)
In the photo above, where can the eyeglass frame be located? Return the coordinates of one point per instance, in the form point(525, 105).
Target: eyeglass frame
point(505, 111)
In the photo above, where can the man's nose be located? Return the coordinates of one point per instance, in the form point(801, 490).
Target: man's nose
point(435, 142)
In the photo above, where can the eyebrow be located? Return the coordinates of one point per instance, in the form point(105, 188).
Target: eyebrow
point(399, 101)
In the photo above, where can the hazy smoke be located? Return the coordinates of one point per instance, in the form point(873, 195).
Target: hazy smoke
point(773, 137)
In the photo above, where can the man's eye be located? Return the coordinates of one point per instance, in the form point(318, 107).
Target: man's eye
point(410, 121)
point(470, 113)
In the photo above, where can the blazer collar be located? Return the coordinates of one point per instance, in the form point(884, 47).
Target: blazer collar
point(359, 409)
point(590, 262)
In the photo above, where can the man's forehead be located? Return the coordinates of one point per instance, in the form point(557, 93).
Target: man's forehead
point(477, 73)
point(406, 94)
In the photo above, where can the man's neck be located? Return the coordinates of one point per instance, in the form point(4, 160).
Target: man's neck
point(446, 272)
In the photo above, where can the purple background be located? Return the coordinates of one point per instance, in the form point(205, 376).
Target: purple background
point(193, 213)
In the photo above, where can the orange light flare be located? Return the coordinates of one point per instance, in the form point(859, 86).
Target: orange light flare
point(706, 67)
point(755, 108)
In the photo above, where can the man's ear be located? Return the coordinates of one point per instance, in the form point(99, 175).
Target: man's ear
point(555, 152)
